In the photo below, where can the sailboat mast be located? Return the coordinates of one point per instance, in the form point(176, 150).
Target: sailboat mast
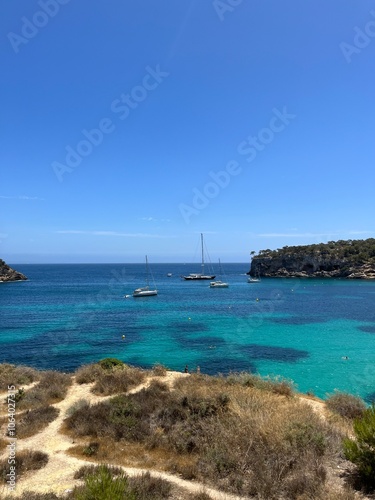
point(202, 253)
point(147, 280)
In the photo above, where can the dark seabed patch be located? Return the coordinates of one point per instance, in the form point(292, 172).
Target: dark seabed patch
point(367, 328)
point(207, 342)
point(188, 326)
point(273, 353)
point(297, 320)
point(370, 398)
point(223, 365)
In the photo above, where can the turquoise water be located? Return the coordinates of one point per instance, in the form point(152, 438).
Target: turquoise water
point(319, 333)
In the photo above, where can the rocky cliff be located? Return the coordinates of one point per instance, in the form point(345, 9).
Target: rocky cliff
point(353, 259)
point(9, 274)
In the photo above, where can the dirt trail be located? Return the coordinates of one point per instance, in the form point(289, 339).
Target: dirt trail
point(57, 476)
point(317, 405)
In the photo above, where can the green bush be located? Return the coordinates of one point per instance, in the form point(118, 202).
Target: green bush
point(101, 485)
point(361, 451)
point(108, 363)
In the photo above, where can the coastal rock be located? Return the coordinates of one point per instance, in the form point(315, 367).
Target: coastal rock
point(9, 274)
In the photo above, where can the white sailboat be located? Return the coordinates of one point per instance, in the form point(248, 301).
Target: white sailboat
point(218, 283)
point(145, 291)
point(200, 276)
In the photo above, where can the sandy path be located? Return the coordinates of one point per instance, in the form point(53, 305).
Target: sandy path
point(57, 476)
point(317, 405)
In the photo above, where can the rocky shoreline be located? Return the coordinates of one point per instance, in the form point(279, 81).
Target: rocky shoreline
point(7, 274)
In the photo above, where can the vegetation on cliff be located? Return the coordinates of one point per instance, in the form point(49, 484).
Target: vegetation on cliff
point(349, 259)
point(9, 274)
point(354, 251)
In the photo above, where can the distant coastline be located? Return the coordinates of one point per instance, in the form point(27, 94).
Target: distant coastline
point(8, 274)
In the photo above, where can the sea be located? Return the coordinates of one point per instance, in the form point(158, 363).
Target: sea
point(317, 333)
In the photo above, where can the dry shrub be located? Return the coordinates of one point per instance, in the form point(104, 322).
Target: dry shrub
point(277, 385)
point(238, 437)
point(34, 421)
point(16, 375)
point(346, 405)
point(345, 493)
point(87, 374)
point(159, 370)
point(147, 487)
point(110, 378)
point(30, 495)
point(3, 444)
point(24, 461)
point(53, 387)
point(200, 496)
point(81, 403)
point(89, 470)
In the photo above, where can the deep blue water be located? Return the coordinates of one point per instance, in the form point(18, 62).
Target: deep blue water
point(304, 330)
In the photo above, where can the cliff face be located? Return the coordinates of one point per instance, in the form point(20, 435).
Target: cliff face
point(309, 266)
point(9, 274)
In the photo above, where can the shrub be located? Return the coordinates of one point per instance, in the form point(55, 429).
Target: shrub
point(35, 420)
point(24, 461)
point(159, 370)
point(89, 470)
point(30, 495)
point(52, 388)
point(78, 405)
point(88, 373)
point(109, 363)
point(111, 483)
point(147, 487)
point(111, 376)
point(118, 381)
point(277, 385)
point(91, 449)
point(362, 450)
point(346, 405)
point(16, 375)
point(103, 485)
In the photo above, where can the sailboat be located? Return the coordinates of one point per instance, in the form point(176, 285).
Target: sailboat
point(145, 291)
point(218, 283)
point(200, 276)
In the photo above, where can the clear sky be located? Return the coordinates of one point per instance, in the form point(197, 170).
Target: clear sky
point(129, 127)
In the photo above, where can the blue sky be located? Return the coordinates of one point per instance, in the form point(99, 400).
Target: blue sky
point(127, 128)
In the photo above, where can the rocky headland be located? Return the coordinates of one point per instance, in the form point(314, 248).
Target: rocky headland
point(351, 259)
point(9, 274)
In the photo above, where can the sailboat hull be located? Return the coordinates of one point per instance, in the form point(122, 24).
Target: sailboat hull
point(144, 292)
point(198, 277)
point(218, 284)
